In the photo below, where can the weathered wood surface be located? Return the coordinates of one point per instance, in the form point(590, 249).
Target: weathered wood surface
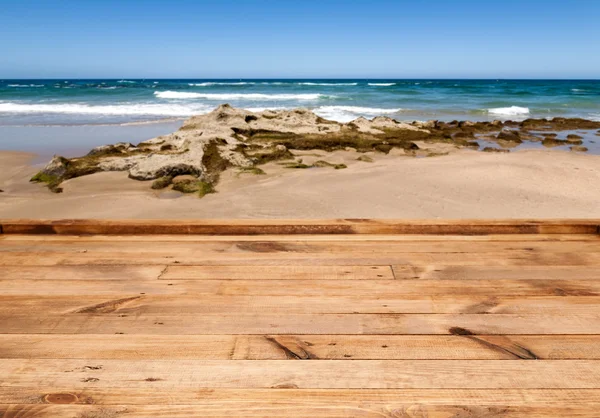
point(337, 226)
point(497, 319)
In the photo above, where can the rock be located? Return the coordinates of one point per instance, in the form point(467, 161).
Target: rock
point(162, 182)
point(365, 159)
point(511, 136)
point(208, 144)
point(574, 139)
point(490, 149)
point(578, 148)
point(1, 191)
point(116, 149)
point(184, 179)
point(554, 142)
point(57, 166)
point(385, 148)
point(463, 135)
point(430, 124)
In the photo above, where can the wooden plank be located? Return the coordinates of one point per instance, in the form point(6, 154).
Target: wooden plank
point(333, 287)
point(82, 272)
point(292, 409)
point(269, 400)
point(300, 347)
point(421, 260)
point(278, 272)
point(300, 324)
point(430, 238)
point(339, 226)
point(324, 374)
point(136, 303)
point(191, 248)
point(491, 272)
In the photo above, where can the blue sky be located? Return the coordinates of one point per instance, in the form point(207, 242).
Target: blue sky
point(310, 39)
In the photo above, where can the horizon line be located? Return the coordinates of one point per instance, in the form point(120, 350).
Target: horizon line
point(308, 78)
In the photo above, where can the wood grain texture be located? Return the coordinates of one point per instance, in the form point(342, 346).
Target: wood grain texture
point(323, 374)
point(323, 318)
point(337, 226)
point(301, 347)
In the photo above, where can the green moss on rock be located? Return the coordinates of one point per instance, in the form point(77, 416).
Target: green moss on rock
point(162, 182)
point(200, 187)
point(51, 181)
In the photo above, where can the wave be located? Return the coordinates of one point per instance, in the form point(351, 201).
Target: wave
point(25, 85)
point(349, 113)
point(125, 81)
point(211, 83)
point(509, 111)
point(577, 90)
point(327, 84)
point(142, 109)
point(236, 96)
point(382, 84)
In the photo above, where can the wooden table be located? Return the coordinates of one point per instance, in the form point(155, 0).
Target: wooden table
point(334, 318)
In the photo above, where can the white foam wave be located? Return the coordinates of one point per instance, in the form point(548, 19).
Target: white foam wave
point(235, 96)
point(349, 113)
point(327, 84)
point(124, 81)
point(509, 111)
point(577, 90)
point(149, 109)
point(262, 109)
point(25, 85)
point(382, 84)
point(108, 88)
point(211, 83)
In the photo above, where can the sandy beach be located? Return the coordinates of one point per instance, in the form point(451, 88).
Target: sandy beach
point(464, 184)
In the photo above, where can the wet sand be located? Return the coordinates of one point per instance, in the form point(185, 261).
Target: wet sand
point(464, 184)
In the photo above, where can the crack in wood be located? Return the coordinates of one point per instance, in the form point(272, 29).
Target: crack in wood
point(106, 307)
point(508, 346)
point(298, 352)
point(482, 307)
point(264, 247)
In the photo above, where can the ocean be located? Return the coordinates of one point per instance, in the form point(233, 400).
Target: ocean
point(72, 102)
point(162, 102)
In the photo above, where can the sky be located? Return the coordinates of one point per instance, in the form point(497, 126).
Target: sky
point(300, 39)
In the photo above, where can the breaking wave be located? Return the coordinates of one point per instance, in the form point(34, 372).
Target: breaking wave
point(145, 109)
point(382, 84)
point(349, 113)
point(236, 96)
point(214, 83)
point(327, 84)
point(509, 111)
point(25, 85)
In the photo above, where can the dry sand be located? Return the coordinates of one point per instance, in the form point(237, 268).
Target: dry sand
point(464, 184)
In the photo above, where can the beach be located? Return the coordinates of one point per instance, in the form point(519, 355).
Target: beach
point(300, 148)
point(465, 184)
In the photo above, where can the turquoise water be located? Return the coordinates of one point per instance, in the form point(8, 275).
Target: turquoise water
point(90, 102)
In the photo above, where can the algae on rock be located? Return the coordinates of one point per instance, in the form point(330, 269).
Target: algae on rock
point(206, 145)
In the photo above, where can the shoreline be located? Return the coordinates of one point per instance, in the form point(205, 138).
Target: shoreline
point(248, 167)
point(464, 184)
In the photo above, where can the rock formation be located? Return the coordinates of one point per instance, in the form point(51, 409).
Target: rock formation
point(227, 137)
